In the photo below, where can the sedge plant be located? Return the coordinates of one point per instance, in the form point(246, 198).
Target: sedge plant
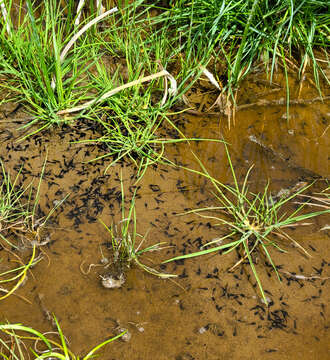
point(32, 63)
point(131, 121)
point(124, 238)
point(255, 221)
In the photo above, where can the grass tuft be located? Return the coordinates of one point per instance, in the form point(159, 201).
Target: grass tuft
point(255, 222)
point(124, 240)
point(36, 74)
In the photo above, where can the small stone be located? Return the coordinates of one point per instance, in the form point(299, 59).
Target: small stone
point(112, 282)
point(268, 300)
point(105, 260)
point(126, 337)
point(56, 202)
point(140, 328)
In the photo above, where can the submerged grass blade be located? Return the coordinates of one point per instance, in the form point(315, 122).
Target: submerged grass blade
point(21, 275)
point(204, 252)
point(59, 351)
point(91, 355)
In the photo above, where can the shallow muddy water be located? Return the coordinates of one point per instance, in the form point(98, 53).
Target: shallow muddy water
point(207, 312)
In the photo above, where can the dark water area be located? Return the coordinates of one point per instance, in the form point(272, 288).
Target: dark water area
point(206, 312)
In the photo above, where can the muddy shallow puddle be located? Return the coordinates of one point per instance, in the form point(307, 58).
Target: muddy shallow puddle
point(206, 312)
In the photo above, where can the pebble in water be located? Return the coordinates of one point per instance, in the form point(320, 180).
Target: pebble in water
point(112, 282)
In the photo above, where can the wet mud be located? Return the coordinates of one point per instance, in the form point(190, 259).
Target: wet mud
point(206, 312)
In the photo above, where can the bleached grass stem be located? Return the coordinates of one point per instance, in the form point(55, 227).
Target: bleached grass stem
point(84, 29)
point(172, 91)
point(100, 9)
point(79, 11)
point(211, 78)
point(80, 32)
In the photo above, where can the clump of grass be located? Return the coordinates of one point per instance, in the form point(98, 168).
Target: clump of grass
point(124, 237)
point(52, 86)
point(245, 31)
point(128, 120)
point(21, 227)
point(183, 37)
point(128, 123)
point(255, 222)
point(36, 73)
point(14, 344)
point(131, 122)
